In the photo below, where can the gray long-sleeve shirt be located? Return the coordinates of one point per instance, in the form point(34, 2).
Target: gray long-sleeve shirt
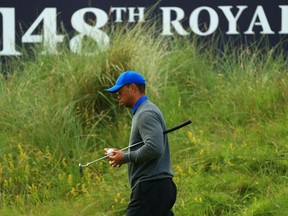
point(151, 160)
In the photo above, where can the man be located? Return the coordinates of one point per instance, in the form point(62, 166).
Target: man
point(149, 166)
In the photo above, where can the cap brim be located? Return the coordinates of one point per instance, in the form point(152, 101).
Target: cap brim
point(114, 88)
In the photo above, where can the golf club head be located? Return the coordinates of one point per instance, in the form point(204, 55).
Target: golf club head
point(81, 170)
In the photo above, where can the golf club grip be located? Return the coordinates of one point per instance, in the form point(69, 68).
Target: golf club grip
point(177, 127)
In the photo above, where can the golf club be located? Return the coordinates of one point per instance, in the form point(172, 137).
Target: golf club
point(81, 167)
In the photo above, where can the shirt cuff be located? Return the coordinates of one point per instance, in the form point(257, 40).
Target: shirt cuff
point(126, 157)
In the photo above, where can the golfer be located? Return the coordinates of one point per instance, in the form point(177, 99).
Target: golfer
point(149, 165)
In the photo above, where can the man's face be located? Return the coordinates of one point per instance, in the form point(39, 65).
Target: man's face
point(124, 95)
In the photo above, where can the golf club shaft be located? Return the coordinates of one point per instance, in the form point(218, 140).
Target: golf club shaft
point(138, 143)
point(106, 156)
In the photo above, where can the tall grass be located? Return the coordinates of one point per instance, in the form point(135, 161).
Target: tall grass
point(55, 114)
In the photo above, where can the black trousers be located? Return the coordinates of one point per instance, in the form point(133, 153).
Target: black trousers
point(153, 198)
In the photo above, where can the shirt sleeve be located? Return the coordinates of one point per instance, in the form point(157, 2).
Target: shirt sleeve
point(151, 131)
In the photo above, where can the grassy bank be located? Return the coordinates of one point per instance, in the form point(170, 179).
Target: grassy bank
point(231, 161)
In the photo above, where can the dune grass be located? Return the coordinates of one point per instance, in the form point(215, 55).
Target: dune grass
point(55, 113)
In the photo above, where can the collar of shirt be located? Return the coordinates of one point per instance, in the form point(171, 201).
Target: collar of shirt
point(138, 103)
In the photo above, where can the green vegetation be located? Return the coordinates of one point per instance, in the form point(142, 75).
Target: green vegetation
point(55, 113)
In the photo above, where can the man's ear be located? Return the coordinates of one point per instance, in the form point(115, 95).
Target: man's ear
point(134, 88)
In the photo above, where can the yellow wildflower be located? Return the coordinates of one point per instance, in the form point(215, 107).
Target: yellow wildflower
point(191, 136)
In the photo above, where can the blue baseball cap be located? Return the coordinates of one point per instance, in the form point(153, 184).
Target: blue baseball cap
point(127, 77)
